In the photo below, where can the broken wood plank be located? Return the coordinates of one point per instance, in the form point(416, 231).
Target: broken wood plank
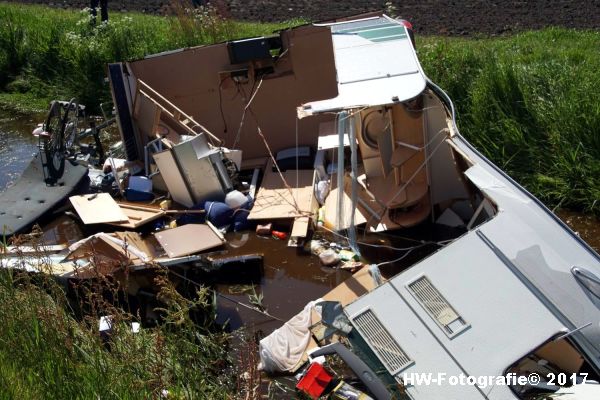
point(275, 201)
point(41, 249)
point(138, 216)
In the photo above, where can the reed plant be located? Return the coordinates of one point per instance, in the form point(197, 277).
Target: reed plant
point(52, 53)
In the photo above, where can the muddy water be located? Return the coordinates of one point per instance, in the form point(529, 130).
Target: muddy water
point(586, 226)
point(17, 145)
point(291, 279)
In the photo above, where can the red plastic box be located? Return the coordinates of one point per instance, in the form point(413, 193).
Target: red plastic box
point(314, 382)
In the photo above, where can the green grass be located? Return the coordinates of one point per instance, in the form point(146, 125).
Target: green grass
point(46, 353)
point(530, 103)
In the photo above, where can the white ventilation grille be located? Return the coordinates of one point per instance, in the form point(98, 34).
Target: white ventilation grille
point(437, 307)
point(382, 343)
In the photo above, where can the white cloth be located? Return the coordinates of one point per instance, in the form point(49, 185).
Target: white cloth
point(283, 349)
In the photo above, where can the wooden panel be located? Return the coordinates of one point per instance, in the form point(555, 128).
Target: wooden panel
point(300, 227)
point(190, 79)
point(188, 239)
point(146, 115)
point(561, 354)
point(138, 216)
point(148, 245)
point(275, 201)
point(385, 144)
point(172, 177)
point(331, 212)
point(97, 208)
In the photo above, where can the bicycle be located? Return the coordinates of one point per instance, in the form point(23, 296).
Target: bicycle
point(59, 135)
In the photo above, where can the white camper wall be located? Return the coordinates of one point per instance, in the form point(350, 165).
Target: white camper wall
point(492, 301)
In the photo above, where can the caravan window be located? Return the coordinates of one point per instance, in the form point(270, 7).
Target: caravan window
point(554, 369)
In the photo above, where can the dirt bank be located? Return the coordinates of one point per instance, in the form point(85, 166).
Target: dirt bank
point(465, 17)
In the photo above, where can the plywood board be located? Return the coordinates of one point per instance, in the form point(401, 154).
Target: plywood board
point(171, 175)
point(146, 114)
point(188, 239)
point(275, 201)
point(147, 245)
point(97, 208)
point(331, 208)
point(138, 216)
point(300, 227)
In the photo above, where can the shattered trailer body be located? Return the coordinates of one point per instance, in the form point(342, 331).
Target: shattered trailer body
point(514, 286)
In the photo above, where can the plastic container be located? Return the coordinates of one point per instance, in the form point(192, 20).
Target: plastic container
point(321, 217)
point(314, 382)
point(329, 258)
point(279, 235)
point(317, 247)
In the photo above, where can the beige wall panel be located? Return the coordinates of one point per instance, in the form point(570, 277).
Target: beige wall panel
point(190, 79)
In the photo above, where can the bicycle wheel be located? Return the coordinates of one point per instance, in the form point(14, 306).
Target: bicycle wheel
point(53, 145)
point(70, 120)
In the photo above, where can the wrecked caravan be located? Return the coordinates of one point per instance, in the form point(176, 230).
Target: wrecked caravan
point(341, 117)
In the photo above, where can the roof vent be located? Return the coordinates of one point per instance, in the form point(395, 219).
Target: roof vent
point(381, 342)
point(437, 307)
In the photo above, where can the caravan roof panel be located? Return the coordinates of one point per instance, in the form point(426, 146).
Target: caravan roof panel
point(375, 63)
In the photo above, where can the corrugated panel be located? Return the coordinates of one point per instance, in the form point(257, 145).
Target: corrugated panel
point(382, 343)
point(437, 306)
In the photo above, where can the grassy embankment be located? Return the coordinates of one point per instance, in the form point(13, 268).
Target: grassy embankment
point(45, 351)
point(48, 53)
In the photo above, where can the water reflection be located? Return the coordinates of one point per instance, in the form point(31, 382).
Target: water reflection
point(17, 145)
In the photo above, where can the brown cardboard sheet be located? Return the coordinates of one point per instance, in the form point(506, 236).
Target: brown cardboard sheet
point(351, 289)
point(331, 206)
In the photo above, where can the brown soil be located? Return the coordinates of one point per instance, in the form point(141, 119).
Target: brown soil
point(430, 17)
